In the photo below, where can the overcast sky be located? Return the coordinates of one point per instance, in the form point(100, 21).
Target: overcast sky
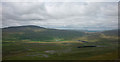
point(61, 15)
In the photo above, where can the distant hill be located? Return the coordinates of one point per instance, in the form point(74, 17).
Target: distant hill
point(36, 33)
point(112, 32)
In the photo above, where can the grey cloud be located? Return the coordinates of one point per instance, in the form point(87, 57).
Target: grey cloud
point(60, 0)
point(61, 15)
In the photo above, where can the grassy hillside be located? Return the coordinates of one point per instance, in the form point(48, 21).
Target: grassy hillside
point(112, 32)
point(35, 33)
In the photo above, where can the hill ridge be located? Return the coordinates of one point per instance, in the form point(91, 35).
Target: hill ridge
point(23, 26)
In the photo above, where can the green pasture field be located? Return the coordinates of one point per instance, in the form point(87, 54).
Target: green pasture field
point(107, 50)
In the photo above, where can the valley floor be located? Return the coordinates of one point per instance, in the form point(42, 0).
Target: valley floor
point(59, 51)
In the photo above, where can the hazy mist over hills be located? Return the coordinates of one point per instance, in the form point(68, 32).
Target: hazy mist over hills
point(84, 30)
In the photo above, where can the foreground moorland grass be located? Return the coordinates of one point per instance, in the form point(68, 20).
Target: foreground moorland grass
point(106, 49)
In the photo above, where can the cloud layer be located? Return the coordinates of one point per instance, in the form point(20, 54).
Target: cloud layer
point(59, 0)
point(62, 15)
